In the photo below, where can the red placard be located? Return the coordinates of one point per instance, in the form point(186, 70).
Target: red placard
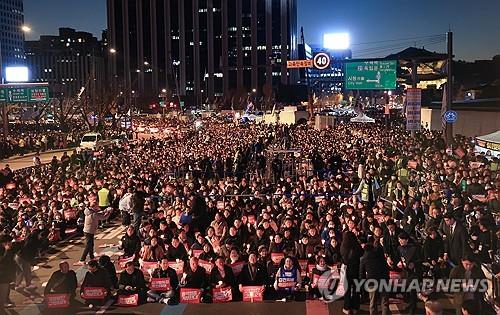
point(123, 261)
point(160, 284)
point(221, 295)
point(190, 296)
point(237, 267)
point(147, 266)
point(303, 267)
point(197, 252)
point(128, 300)
point(10, 186)
point(70, 214)
point(379, 217)
point(207, 265)
point(286, 282)
point(94, 293)
point(178, 266)
point(412, 164)
point(57, 300)
point(310, 268)
point(252, 294)
point(277, 257)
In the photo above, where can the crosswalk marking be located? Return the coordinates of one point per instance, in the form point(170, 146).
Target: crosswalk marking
point(114, 234)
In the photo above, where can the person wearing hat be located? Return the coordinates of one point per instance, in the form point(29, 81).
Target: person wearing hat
point(7, 269)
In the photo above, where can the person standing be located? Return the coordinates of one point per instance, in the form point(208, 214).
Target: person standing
point(468, 272)
point(373, 266)
point(351, 253)
point(92, 218)
point(7, 270)
point(455, 244)
point(137, 205)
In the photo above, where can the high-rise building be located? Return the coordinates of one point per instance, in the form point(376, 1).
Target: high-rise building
point(202, 49)
point(330, 80)
point(11, 34)
point(67, 61)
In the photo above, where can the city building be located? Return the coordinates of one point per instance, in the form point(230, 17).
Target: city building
point(199, 50)
point(11, 34)
point(331, 80)
point(67, 61)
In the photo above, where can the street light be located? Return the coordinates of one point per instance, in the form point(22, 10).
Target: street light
point(25, 28)
point(112, 51)
point(164, 90)
point(254, 90)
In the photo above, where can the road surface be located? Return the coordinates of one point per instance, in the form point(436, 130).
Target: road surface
point(70, 250)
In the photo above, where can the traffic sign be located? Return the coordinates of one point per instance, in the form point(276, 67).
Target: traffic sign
point(450, 116)
point(293, 64)
point(371, 75)
point(24, 93)
point(321, 61)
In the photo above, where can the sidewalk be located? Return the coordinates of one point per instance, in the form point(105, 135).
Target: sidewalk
point(31, 154)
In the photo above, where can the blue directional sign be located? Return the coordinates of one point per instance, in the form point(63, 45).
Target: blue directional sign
point(450, 116)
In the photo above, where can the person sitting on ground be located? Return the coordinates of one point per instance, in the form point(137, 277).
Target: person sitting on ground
point(106, 264)
point(132, 282)
point(96, 277)
point(288, 280)
point(164, 271)
point(62, 281)
point(130, 242)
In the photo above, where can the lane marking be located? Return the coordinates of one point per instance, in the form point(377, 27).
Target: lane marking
point(103, 234)
point(114, 234)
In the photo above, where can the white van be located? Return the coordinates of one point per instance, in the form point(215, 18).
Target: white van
point(93, 141)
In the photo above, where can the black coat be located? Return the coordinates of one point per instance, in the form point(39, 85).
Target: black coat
point(99, 279)
point(228, 279)
point(259, 278)
point(455, 244)
point(196, 279)
point(373, 265)
point(131, 244)
point(168, 273)
point(7, 265)
point(135, 280)
point(62, 283)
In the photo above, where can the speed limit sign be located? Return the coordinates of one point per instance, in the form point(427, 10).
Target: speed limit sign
point(321, 61)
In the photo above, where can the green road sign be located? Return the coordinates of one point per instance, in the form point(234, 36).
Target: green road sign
point(24, 93)
point(371, 75)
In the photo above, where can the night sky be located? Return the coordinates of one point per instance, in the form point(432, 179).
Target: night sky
point(475, 23)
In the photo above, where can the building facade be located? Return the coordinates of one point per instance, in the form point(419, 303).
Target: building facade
point(201, 50)
point(11, 34)
point(331, 80)
point(68, 62)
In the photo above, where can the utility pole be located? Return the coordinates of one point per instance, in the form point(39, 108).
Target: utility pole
point(306, 71)
point(5, 118)
point(449, 89)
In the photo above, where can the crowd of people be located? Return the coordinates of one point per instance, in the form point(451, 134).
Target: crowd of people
point(225, 206)
point(23, 139)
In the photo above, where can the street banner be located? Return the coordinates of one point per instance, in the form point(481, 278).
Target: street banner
point(190, 296)
point(57, 300)
point(221, 295)
point(252, 294)
point(94, 293)
point(413, 109)
point(128, 300)
point(237, 267)
point(277, 257)
point(207, 265)
point(160, 284)
point(294, 64)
